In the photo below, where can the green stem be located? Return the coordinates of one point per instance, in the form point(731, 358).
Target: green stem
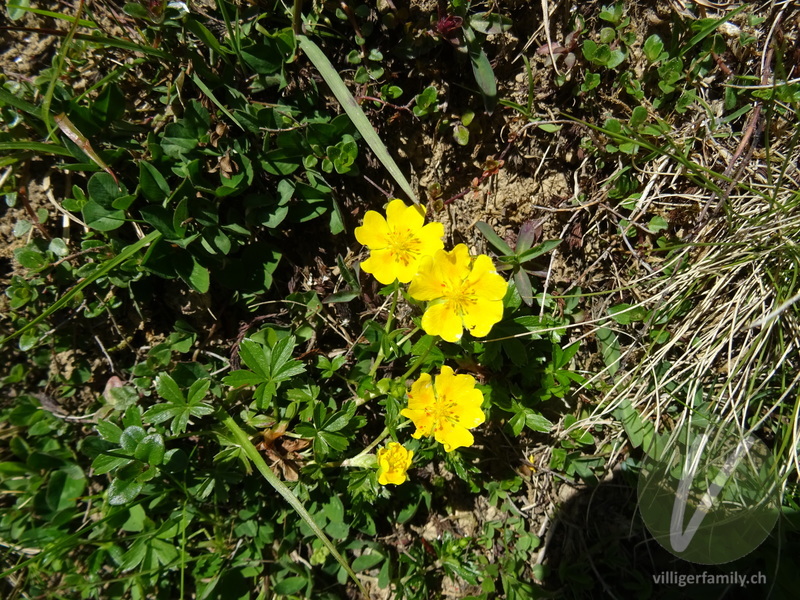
point(416, 364)
point(297, 17)
point(383, 435)
point(387, 329)
point(243, 440)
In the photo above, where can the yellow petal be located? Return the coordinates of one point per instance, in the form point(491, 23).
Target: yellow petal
point(393, 477)
point(484, 281)
point(482, 316)
point(374, 232)
point(430, 237)
point(442, 320)
point(381, 265)
point(453, 436)
point(402, 217)
point(405, 273)
point(461, 258)
point(421, 394)
point(422, 421)
point(452, 267)
point(449, 385)
point(469, 415)
point(425, 285)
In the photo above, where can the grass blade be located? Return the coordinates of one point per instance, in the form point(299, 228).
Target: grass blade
point(7, 97)
point(55, 15)
point(207, 91)
point(37, 147)
point(72, 132)
point(244, 442)
point(353, 110)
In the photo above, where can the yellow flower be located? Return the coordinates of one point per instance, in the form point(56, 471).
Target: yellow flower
point(393, 462)
point(446, 409)
point(464, 292)
point(398, 242)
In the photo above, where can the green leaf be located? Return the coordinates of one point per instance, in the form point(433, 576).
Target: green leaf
point(30, 259)
point(653, 47)
point(137, 11)
point(609, 348)
point(202, 32)
point(657, 224)
point(17, 9)
point(160, 218)
point(104, 190)
point(616, 58)
point(242, 378)
point(537, 422)
point(178, 140)
point(639, 432)
point(516, 423)
point(337, 297)
point(255, 356)
point(105, 463)
point(121, 492)
point(494, 239)
point(150, 449)
point(152, 183)
point(290, 585)
point(335, 440)
point(199, 277)
point(625, 313)
point(198, 391)
point(162, 412)
point(340, 419)
point(131, 437)
point(200, 409)
point(100, 218)
point(460, 134)
point(490, 23)
point(589, 49)
point(64, 487)
point(638, 117)
point(108, 431)
point(538, 250)
point(168, 389)
point(481, 69)
point(367, 561)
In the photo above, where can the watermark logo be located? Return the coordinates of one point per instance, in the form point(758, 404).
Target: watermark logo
point(709, 494)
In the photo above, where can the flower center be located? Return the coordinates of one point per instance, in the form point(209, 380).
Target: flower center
point(460, 295)
point(404, 245)
point(441, 411)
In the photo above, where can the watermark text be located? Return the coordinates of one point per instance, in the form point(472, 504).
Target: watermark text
point(706, 578)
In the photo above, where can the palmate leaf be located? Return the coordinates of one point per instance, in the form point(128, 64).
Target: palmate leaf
point(269, 367)
point(177, 407)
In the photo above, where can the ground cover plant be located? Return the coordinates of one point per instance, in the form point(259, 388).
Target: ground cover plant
point(387, 299)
